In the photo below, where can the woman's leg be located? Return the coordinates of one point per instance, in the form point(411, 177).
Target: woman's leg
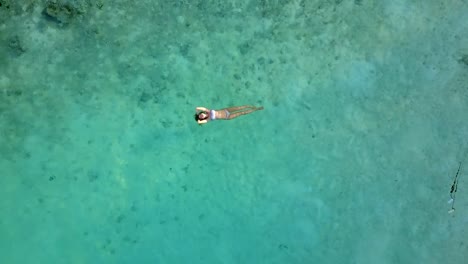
point(244, 112)
point(239, 108)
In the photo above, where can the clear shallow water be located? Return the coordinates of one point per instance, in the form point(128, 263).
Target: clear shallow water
point(350, 162)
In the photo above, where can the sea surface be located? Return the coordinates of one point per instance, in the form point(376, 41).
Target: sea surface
point(359, 155)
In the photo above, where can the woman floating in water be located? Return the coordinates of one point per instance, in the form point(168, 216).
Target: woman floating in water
point(203, 115)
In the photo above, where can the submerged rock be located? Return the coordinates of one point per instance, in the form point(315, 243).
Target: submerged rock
point(464, 60)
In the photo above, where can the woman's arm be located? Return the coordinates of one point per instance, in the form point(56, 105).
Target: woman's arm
point(199, 108)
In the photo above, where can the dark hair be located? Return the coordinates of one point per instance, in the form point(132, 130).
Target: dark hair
point(197, 116)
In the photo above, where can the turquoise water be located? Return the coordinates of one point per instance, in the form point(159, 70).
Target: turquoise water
point(351, 161)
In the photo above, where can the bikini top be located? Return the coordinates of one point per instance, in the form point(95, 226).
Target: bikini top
point(212, 114)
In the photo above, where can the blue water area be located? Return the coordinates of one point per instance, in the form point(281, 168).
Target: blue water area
point(353, 159)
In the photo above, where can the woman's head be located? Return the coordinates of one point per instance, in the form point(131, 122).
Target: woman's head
point(201, 116)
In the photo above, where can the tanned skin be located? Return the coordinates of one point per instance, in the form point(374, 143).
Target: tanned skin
point(203, 114)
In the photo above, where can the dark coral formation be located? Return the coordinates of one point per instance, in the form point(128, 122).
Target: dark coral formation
point(5, 4)
point(15, 45)
point(464, 59)
point(61, 13)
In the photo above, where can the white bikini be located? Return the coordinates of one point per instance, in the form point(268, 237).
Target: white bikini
point(213, 114)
